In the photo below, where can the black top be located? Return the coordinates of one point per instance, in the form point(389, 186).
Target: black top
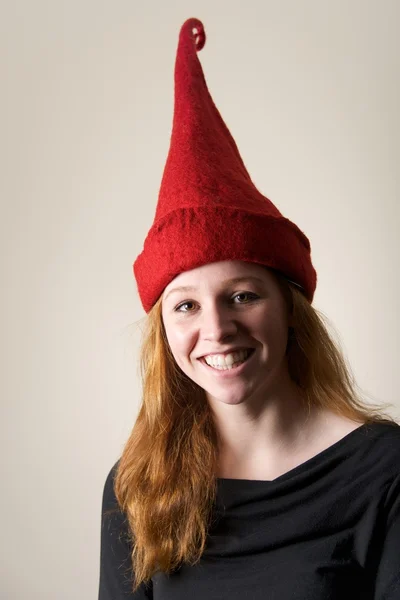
point(329, 529)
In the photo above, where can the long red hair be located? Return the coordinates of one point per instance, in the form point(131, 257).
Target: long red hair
point(166, 477)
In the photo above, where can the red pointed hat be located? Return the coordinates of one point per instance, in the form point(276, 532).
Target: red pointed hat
point(208, 208)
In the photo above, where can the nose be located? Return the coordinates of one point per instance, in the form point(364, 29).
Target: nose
point(217, 324)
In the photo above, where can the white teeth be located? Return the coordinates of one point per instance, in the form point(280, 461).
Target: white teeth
point(226, 360)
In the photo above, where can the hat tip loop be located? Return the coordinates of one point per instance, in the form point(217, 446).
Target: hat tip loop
point(195, 28)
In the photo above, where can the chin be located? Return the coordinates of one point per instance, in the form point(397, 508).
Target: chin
point(226, 397)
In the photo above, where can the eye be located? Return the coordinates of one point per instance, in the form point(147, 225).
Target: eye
point(246, 297)
point(185, 307)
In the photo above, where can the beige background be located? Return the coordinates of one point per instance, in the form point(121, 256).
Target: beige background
point(310, 90)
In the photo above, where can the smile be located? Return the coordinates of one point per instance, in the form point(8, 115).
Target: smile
point(229, 362)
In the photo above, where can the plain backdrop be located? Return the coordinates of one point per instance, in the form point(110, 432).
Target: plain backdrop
point(311, 93)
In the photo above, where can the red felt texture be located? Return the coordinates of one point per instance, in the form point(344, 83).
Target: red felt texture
point(208, 208)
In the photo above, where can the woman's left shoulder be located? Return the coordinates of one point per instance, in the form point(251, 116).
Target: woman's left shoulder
point(383, 445)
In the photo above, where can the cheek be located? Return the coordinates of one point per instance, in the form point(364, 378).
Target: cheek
point(181, 341)
point(272, 328)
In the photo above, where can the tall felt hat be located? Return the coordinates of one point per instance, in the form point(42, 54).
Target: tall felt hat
point(208, 208)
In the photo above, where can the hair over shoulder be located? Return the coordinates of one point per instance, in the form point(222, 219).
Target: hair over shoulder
point(166, 477)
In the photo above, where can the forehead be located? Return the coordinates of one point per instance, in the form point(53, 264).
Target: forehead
point(215, 274)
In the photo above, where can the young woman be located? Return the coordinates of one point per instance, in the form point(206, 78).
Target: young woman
point(254, 469)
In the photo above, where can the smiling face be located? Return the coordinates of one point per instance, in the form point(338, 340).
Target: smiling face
point(227, 327)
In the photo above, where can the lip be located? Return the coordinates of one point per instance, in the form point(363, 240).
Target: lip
point(225, 352)
point(227, 373)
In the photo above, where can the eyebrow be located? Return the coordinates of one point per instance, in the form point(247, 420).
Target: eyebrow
point(233, 281)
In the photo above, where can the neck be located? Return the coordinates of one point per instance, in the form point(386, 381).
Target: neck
point(259, 431)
